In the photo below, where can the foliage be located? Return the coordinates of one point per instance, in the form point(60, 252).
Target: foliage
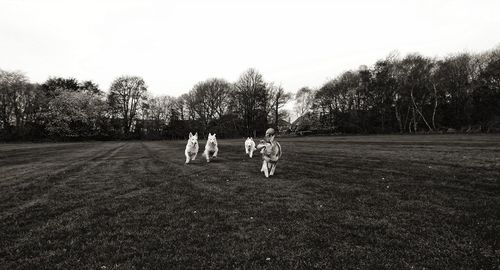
point(75, 114)
point(412, 94)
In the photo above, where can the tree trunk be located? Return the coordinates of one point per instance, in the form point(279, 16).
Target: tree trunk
point(398, 117)
point(276, 114)
point(383, 120)
point(415, 108)
point(435, 107)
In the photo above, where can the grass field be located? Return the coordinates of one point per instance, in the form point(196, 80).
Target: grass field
point(399, 202)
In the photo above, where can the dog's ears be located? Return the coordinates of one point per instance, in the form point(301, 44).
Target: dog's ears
point(209, 134)
point(213, 135)
point(196, 135)
point(190, 135)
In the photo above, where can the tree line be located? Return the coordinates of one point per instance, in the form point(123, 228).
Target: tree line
point(410, 94)
point(68, 109)
point(413, 94)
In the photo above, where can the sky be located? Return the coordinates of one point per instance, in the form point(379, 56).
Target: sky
point(175, 44)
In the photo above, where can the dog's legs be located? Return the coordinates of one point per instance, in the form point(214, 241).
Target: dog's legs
point(206, 155)
point(266, 169)
point(263, 166)
point(273, 168)
point(250, 153)
point(215, 153)
point(194, 156)
point(246, 150)
point(187, 157)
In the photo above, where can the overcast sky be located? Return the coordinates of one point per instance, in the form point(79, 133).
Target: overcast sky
point(174, 45)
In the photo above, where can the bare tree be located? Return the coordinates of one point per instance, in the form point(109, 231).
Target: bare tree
point(209, 99)
point(217, 96)
point(126, 93)
point(278, 98)
point(251, 101)
point(415, 73)
point(13, 102)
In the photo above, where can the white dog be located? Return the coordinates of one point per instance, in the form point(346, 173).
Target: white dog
point(211, 148)
point(191, 147)
point(271, 153)
point(249, 147)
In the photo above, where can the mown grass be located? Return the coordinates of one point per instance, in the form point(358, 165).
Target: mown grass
point(399, 202)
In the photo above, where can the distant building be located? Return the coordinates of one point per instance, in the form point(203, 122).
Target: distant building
point(284, 126)
point(310, 123)
point(303, 123)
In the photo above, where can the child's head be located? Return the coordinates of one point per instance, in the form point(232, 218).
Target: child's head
point(269, 134)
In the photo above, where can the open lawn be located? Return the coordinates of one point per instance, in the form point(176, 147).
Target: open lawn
point(399, 202)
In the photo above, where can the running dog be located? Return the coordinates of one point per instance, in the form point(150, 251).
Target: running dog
point(271, 153)
point(249, 147)
point(191, 147)
point(211, 148)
